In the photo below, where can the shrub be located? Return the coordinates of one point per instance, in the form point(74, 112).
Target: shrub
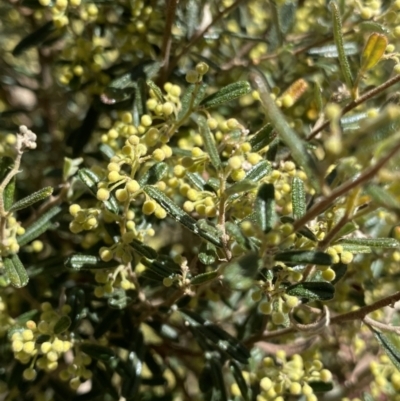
point(205, 204)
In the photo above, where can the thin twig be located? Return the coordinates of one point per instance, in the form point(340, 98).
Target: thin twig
point(199, 34)
point(355, 103)
point(324, 203)
point(166, 46)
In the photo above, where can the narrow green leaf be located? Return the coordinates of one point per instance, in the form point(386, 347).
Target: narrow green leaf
point(204, 277)
point(31, 199)
point(15, 271)
point(63, 324)
point(259, 171)
point(383, 243)
point(226, 94)
point(368, 397)
point(191, 98)
point(154, 174)
point(196, 180)
point(382, 197)
point(265, 207)
point(355, 248)
point(81, 261)
point(391, 347)
point(338, 37)
point(373, 51)
point(71, 166)
point(304, 257)
point(180, 215)
point(298, 198)
point(298, 150)
point(241, 382)
point(156, 90)
point(143, 250)
point(35, 38)
point(219, 388)
point(38, 227)
point(320, 386)
point(241, 186)
point(340, 270)
point(209, 142)
point(235, 233)
point(207, 253)
point(76, 300)
point(321, 291)
point(99, 352)
point(372, 26)
point(263, 137)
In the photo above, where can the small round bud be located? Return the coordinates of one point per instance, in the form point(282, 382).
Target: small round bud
point(149, 207)
point(168, 108)
point(265, 307)
point(29, 374)
point(235, 162)
point(328, 274)
point(265, 383)
point(106, 254)
point(202, 68)
point(122, 194)
point(278, 318)
point(212, 123)
point(74, 209)
point(192, 77)
point(132, 186)
point(146, 120)
point(103, 194)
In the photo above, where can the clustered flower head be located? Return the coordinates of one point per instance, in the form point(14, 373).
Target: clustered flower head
point(40, 344)
point(282, 377)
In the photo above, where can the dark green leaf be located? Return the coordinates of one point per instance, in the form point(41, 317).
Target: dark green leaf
point(240, 273)
point(338, 36)
point(265, 207)
point(304, 257)
point(383, 243)
point(207, 253)
point(241, 382)
point(390, 344)
point(180, 215)
point(298, 198)
point(340, 270)
point(81, 261)
point(219, 389)
point(38, 227)
point(240, 186)
point(204, 277)
point(156, 90)
point(226, 94)
point(99, 352)
point(35, 38)
point(196, 180)
point(209, 142)
point(263, 137)
point(62, 325)
point(154, 174)
point(143, 250)
point(191, 98)
point(76, 300)
point(382, 197)
point(320, 386)
point(15, 271)
point(321, 291)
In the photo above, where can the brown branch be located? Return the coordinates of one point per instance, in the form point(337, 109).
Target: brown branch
point(355, 103)
point(166, 45)
point(324, 203)
point(358, 314)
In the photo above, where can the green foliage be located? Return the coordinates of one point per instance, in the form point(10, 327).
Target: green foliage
point(207, 205)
